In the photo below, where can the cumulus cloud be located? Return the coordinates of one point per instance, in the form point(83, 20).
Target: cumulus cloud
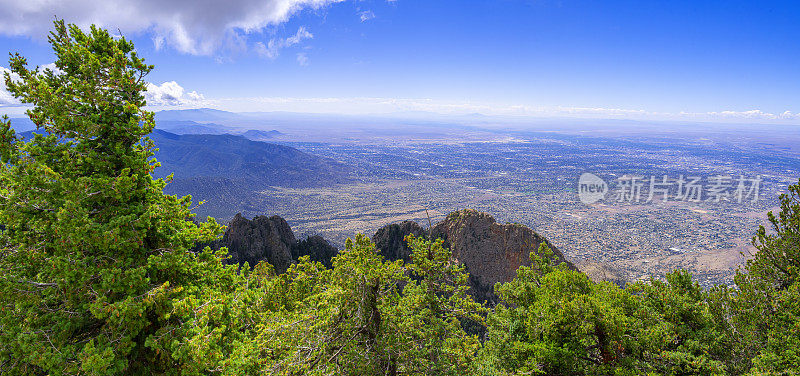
point(754, 114)
point(6, 99)
point(52, 67)
point(189, 26)
point(167, 94)
point(170, 93)
point(272, 49)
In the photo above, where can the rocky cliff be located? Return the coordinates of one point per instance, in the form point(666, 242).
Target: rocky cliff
point(317, 248)
point(262, 238)
point(270, 239)
point(490, 251)
point(390, 239)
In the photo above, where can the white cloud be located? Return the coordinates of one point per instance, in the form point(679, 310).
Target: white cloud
point(754, 114)
point(272, 49)
point(171, 94)
point(167, 94)
point(741, 116)
point(366, 15)
point(302, 59)
point(375, 105)
point(6, 99)
point(158, 42)
point(189, 26)
point(52, 67)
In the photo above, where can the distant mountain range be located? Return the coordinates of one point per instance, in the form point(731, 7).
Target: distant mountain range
point(198, 115)
point(308, 127)
point(199, 121)
point(193, 127)
point(237, 158)
point(228, 171)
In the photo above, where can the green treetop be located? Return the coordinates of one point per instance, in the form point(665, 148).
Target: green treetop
point(96, 276)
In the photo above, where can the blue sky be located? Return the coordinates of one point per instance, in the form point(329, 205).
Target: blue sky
point(703, 60)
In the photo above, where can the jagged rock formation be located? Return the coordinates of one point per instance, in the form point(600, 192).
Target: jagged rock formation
point(262, 238)
point(491, 252)
point(270, 239)
point(390, 239)
point(317, 248)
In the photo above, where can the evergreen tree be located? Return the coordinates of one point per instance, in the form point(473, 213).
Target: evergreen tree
point(765, 309)
point(365, 316)
point(678, 332)
point(96, 272)
point(433, 309)
point(556, 321)
point(317, 321)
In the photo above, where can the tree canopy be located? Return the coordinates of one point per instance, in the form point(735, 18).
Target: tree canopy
point(97, 276)
point(100, 273)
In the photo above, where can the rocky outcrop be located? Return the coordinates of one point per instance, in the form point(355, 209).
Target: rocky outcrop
point(270, 239)
point(317, 248)
point(390, 239)
point(490, 251)
point(262, 238)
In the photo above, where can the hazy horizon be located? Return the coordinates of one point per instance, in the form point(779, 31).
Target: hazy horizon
point(678, 61)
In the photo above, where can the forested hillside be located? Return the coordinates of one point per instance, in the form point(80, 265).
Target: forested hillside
point(100, 272)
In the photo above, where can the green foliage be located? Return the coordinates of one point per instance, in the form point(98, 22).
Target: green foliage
point(364, 316)
point(96, 276)
point(337, 325)
point(432, 308)
point(678, 334)
point(765, 310)
point(556, 321)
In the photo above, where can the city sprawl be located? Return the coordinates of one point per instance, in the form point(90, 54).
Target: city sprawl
point(668, 205)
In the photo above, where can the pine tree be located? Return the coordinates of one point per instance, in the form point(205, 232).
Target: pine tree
point(96, 272)
point(431, 314)
point(766, 308)
point(365, 316)
point(678, 332)
point(556, 321)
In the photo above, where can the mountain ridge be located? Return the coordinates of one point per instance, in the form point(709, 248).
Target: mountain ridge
point(228, 171)
point(490, 251)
